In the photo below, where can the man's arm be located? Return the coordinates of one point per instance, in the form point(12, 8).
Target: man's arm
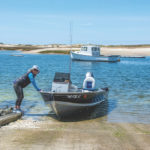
point(30, 75)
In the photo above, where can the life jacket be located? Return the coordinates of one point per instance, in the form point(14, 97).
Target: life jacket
point(24, 80)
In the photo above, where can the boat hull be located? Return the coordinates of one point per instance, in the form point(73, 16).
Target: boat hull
point(66, 104)
point(81, 57)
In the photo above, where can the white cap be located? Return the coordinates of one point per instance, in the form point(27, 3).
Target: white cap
point(36, 68)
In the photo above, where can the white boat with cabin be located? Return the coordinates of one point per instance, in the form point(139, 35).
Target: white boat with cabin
point(92, 53)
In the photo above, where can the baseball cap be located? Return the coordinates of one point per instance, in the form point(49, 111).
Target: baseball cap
point(35, 67)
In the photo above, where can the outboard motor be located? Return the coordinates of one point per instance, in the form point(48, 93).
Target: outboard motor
point(89, 82)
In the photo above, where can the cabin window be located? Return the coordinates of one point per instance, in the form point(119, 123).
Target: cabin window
point(95, 49)
point(84, 49)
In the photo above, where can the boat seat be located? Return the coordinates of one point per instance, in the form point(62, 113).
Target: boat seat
point(73, 88)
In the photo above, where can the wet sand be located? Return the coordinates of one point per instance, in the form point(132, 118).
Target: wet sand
point(94, 134)
point(87, 131)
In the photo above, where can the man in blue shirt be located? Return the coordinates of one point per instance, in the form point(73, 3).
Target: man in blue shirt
point(23, 81)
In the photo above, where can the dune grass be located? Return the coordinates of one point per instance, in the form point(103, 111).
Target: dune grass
point(55, 52)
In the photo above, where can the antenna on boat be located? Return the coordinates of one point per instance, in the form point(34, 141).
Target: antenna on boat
point(70, 47)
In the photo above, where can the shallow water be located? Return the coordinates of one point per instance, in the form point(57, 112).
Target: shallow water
point(128, 81)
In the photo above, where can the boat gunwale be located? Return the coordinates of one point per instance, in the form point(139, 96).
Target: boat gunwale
point(79, 104)
point(96, 58)
point(76, 92)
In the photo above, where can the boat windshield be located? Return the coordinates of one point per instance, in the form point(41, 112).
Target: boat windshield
point(84, 49)
point(62, 77)
point(95, 49)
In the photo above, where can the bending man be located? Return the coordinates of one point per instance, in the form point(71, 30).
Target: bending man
point(22, 82)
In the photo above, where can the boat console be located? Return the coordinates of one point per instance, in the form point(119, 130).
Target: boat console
point(61, 82)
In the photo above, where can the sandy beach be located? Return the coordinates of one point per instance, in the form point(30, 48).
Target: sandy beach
point(81, 132)
point(95, 134)
point(126, 51)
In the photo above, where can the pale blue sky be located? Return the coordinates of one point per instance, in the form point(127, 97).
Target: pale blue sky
point(94, 21)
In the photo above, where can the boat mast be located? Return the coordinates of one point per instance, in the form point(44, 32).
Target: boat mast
point(70, 47)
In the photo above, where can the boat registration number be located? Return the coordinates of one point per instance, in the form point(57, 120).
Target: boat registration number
point(74, 96)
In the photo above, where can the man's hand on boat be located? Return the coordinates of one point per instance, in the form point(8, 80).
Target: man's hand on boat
point(40, 90)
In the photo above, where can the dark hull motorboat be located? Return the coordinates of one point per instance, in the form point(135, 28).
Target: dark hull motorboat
point(65, 104)
point(66, 99)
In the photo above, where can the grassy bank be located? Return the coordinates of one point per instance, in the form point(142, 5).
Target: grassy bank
point(55, 52)
point(22, 48)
